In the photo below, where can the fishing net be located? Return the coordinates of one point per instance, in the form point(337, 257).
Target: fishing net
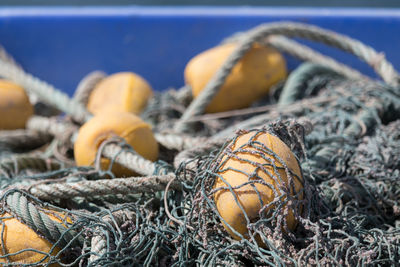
point(307, 176)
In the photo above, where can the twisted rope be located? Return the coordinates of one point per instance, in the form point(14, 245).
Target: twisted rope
point(44, 91)
point(11, 165)
point(129, 159)
point(5, 56)
point(297, 81)
point(305, 53)
point(125, 158)
point(274, 113)
point(376, 60)
point(39, 221)
point(23, 139)
point(196, 151)
point(66, 131)
point(86, 86)
point(184, 95)
point(99, 246)
point(61, 100)
point(178, 142)
point(132, 185)
point(62, 129)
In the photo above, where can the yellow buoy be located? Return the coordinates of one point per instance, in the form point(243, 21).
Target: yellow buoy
point(239, 168)
point(17, 236)
point(126, 125)
point(250, 79)
point(124, 92)
point(15, 108)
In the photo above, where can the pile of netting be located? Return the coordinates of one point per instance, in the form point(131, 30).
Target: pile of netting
point(309, 175)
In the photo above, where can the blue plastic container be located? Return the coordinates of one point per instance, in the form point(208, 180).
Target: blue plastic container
point(62, 44)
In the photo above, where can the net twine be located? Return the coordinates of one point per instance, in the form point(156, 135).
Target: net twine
point(351, 205)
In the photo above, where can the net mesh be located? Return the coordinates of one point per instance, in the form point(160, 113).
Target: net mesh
point(279, 192)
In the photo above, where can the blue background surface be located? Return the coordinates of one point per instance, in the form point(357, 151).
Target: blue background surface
point(62, 44)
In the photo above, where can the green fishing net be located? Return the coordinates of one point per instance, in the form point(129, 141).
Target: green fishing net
point(312, 182)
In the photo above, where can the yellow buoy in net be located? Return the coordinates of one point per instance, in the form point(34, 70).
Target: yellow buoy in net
point(255, 169)
point(250, 79)
point(124, 92)
point(22, 245)
point(15, 108)
point(126, 125)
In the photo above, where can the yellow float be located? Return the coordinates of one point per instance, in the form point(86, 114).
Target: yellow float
point(237, 169)
point(124, 92)
point(126, 125)
point(17, 236)
point(250, 79)
point(15, 108)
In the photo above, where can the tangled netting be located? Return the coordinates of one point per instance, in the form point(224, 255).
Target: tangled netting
point(307, 176)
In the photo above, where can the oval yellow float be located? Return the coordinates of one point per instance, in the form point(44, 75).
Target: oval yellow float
point(15, 108)
point(17, 237)
point(249, 157)
point(123, 92)
point(126, 125)
point(250, 79)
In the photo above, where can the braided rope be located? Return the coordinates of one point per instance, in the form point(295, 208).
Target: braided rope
point(132, 185)
point(369, 55)
point(39, 221)
point(86, 86)
point(46, 92)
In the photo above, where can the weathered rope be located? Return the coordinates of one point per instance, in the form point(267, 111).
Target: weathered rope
point(76, 110)
point(38, 220)
point(23, 139)
point(305, 53)
point(65, 131)
point(178, 142)
point(44, 91)
point(86, 86)
point(274, 113)
point(4, 55)
point(296, 82)
point(126, 158)
point(99, 247)
point(10, 166)
point(132, 185)
point(188, 155)
point(364, 52)
point(129, 159)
